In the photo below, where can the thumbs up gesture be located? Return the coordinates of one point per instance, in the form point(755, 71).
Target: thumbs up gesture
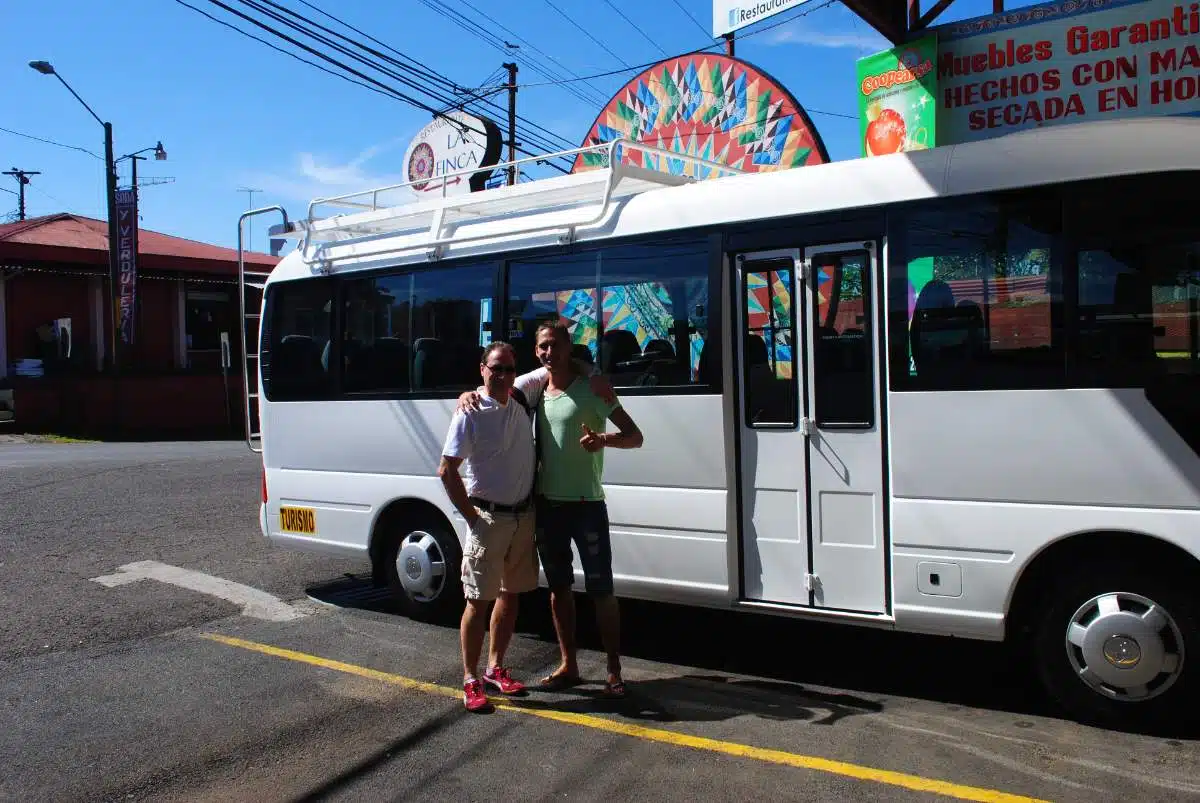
point(590, 440)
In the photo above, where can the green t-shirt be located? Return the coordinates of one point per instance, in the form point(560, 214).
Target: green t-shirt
point(568, 471)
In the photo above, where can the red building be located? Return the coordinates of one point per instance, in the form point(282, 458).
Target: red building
point(56, 320)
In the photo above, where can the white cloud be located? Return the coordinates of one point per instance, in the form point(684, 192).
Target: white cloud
point(313, 177)
point(797, 35)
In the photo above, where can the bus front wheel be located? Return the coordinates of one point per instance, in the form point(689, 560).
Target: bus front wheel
point(422, 564)
point(1119, 644)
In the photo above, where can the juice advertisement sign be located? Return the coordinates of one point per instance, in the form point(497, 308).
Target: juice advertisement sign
point(897, 98)
point(1067, 62)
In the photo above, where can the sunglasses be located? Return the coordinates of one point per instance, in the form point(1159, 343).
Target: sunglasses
point(501, 369)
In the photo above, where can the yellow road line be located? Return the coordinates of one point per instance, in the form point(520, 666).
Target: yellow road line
point(903, 780)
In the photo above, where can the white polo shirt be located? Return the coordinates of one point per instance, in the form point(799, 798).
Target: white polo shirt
point(495, 443)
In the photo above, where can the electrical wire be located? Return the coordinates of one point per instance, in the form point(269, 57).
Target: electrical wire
point(503, 46)
point(586, 32)
point(421, 72)
point(50, 142)
point(635, 26)
point(527, 43)
point(387, 90)
point(650, 64)
point(703, 30)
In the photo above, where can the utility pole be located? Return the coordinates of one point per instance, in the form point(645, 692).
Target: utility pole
point(250, 205)
point(22, 177)
point(729, 44)
point(512, 121)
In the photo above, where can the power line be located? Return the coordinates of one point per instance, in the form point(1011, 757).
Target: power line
point(299, 58)
point(635, 26)
point(703, 30)
point(300, 27)
point(585, 32)
point(387, 90)
point(418, 70)
point(50, 142)
point(524, 41)
point(502, 45)
point(649, 64)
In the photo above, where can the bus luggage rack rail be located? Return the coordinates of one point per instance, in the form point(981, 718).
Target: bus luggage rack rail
point(384, 212)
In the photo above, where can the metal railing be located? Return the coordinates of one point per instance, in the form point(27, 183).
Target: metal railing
point(612, 154)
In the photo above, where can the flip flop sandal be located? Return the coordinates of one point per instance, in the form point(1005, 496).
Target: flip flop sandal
point(615, 691)
point(559, 682)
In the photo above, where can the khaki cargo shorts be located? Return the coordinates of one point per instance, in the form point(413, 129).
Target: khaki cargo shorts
point(500, 555)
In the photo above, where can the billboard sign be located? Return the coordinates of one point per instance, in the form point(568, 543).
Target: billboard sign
point(730, 15)
point(897, 99)
point(453, 142)
point(1064, 62)
point(126, 262)
point(710, 106)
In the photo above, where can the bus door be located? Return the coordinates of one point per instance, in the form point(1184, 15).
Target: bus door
point(773, 456)
point(811, 454)
point(845, 441)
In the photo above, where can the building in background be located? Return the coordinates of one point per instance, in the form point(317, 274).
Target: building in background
point(56, 325)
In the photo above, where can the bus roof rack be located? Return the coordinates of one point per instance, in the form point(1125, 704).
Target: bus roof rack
point(378, 214)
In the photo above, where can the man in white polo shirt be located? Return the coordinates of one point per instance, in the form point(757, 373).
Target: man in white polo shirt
point(494, 444)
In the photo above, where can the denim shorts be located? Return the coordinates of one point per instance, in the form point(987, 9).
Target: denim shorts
point(586, 524)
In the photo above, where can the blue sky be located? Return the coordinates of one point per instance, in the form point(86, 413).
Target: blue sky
point(233, 113)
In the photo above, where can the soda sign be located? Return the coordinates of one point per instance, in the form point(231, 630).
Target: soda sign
point(1067, 62)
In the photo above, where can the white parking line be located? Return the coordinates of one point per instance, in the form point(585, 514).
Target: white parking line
point(255, 603)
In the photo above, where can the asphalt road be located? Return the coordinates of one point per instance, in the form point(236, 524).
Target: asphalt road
point(151, 691)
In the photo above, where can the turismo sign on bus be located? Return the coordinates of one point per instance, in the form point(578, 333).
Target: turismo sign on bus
point(1065, 62)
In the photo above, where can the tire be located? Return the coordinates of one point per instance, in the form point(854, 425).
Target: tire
point(422, 566)
point(1102, 641)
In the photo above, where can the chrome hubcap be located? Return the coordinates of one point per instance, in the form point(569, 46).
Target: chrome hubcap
point(1125, 646)
point(421, 566)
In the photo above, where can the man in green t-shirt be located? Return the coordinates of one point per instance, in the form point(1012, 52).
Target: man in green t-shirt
point(571, 437)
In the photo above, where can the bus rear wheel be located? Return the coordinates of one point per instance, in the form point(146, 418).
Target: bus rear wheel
point(1119, 645)
point(422, 565)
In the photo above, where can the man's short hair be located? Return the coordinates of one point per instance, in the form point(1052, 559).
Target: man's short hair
point(557, 327)
point(497, 345)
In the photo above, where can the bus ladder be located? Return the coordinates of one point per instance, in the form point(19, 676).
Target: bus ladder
point(252, 282)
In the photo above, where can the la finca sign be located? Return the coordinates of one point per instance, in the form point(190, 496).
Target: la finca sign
point(450, 144)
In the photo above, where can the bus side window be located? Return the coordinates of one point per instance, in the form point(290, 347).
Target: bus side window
point(295, 341)
point(768, 360)
point(416, 332)
point(639, 312)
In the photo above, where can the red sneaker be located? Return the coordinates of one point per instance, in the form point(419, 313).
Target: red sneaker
point(473, 696)
point(499, 679)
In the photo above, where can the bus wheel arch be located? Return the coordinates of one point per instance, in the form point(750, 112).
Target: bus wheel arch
point(1110, 624)
point(416, 553)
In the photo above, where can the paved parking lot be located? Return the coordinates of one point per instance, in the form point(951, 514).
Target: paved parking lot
point(214, 668)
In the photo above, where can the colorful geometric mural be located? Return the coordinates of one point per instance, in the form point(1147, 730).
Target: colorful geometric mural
point(644, 309)
point(763, 294)
point(715, 107)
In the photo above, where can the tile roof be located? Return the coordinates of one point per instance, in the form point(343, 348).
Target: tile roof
point(67, 231)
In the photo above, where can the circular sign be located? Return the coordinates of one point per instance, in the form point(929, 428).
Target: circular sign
point(711, 106)
point(453, 154)
point(420, 165)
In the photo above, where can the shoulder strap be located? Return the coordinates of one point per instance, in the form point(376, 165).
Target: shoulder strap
point(519, 395)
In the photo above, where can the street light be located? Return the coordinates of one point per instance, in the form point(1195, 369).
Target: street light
point(160, 155)
point(110, 181)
